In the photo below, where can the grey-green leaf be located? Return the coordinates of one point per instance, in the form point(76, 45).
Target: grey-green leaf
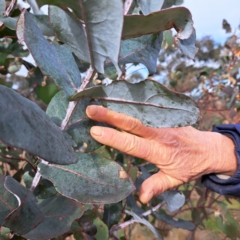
point(149, 6)
point(170, 3)
point(145, 222)
point(131, 202)
point(149, 101)
point(24, 125)
point(174, 199)
point(144, 49)
point(93, 179)
point(79, 126)
point(9, 22)
point(40, 20)
point(73, 4)
point(70, 31)
point(8, 202)
point(187, 46)
point(179, 18)
point(59, 214)
point(145, 174)
point(28, 215)
point(175, 222)
point(103, 44)
point(2, 7)
point(44, 189)
point(44, 54)
point(112, 213)
point(67, 60)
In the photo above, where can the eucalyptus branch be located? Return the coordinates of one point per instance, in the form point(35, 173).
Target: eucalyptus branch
point(37, 176)
point(90, 74)
point(127, 6)
point(127, 223)
point(70, 111)
point(33, 4)
point(11, 7)
point(35, 181)
point(73, 105)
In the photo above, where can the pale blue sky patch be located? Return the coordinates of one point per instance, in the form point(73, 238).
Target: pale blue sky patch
point(208, 15)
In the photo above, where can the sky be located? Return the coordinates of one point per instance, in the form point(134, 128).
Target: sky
point(208, 15)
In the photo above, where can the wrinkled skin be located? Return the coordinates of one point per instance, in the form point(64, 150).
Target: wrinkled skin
point(183, 154)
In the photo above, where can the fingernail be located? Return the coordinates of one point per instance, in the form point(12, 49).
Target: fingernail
point(91, 110)
point(96, 131)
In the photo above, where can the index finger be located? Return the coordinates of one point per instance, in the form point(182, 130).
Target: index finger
point(119, 120)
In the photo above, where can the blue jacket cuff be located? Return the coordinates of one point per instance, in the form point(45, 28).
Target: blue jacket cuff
point(230, 186)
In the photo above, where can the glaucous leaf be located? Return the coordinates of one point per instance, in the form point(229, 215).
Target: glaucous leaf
point(59, 213)
point(79, 125)
point(24, 125)
point(67, 60)
point(72, 4)
point(102, 44)
point(148, 101)
point(51, 60)
point(70, 31)
point(41, 21)
point(179, 18)
point(102, 229)
point(2, 7)
point(145, 174)
point(112, 213)
point(173, 199)
point(145, 222)
point(187, 46)
point(131, 202)
point(44, 189)
point(175, 222)
point(93, 179)
point(170, 3)
point(8, 22)
point(103, 30)
point(144, 49)
point(149, 6)
point(8, 202)
point(28, 215)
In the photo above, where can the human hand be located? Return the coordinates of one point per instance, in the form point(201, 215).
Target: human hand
point(182, 154)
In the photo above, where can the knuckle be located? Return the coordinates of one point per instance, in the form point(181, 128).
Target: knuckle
point(113, 137)
point(131, 123)
point(131, 144)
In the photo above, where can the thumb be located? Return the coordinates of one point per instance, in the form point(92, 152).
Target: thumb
point(157, 184)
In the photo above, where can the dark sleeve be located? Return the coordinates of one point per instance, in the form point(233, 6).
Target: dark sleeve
point(229, 186)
